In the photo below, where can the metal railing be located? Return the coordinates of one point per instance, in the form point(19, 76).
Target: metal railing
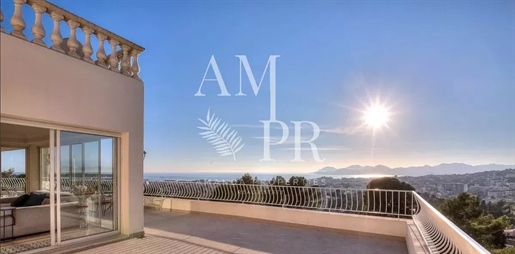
point(16, 186)
point(382, 202)
point(12, 186)
point(440, 234)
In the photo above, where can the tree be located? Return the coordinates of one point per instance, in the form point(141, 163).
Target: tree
point(378, 199)
point(278, 180)
point(389, 183)
point(462, 209)
point(498, 209)
point(247, 179)
point(465, 211)
point(8, 173)
point(432, 199)
point(298, 181)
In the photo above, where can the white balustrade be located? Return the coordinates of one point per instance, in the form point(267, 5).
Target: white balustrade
point(135, 65)
point(113, 58)
point(125, 64)
point(101, 54)
point(124, 53)
point(439, 233)
point(56, 37)
point(17, 20)
point(87, 49)
point(37, 29)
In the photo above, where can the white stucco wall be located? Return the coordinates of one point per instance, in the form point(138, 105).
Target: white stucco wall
point(39, 84)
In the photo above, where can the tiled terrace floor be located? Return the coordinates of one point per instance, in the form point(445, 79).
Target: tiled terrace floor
point(176, 232)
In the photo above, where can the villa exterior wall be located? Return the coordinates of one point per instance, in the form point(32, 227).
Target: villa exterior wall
point(45, 86)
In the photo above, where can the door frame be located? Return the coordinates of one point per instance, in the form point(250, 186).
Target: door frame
point(55, 182)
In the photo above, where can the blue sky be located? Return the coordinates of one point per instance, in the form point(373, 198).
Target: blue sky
point(445, 69)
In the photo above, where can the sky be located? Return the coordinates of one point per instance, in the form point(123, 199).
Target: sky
point(444, 70)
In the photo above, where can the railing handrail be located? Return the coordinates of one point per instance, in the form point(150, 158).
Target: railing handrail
point(258, 184)
point(478, 248)
point(123, 55)
point(84, 23)
point(440, 234)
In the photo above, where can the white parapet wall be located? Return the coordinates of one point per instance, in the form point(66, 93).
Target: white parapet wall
point(392, 228)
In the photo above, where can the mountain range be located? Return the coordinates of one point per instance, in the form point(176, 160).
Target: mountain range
point(442, 169)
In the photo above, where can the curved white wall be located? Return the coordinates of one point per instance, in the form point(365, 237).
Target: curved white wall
point(39, 84)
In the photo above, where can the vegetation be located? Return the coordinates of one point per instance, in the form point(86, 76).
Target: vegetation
point(509, 250)
point(466, 212)
point(389, 202)
point(8, 173)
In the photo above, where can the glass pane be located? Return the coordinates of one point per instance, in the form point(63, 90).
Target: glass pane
point(13, 172)
point(44, 166)
point(87, 201)
point(66, 176)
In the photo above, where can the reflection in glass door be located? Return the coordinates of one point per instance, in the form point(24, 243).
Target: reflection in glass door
point(88, 180)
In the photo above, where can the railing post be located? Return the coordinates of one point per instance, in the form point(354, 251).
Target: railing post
point(72, 43)
point(86, 48)
point(113, 59)
point(56, 37)
point(17, 20)
point(37, 29)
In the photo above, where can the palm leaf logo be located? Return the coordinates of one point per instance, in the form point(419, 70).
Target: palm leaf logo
point(224, 139)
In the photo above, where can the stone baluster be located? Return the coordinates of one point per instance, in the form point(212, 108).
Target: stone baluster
point(37, 29)
point(1, 20)
point(72, 43)
point(113, 59)
point(56, 37)
point(17, 20)
point(101, 54)
point(126, 64)
point(87, 49)
point(135, 65)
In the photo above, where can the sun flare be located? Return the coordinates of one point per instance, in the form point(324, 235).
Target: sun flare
point(376, 116)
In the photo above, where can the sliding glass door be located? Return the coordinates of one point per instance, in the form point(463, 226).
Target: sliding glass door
point(86, 198)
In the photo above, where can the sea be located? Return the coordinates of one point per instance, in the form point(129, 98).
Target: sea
point(210, 176)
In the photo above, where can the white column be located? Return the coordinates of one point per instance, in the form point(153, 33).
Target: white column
point(56, 37)
point(101, 54)
point(113, 59)
point(135, 65)
point(126, 65)
point(73, 44)
point(17, 20)
point(37, 29)
point(87, 49)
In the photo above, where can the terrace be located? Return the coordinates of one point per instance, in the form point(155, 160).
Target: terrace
point(210, 233)
point(238, 218)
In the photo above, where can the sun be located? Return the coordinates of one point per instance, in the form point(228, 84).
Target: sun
point(376, 116)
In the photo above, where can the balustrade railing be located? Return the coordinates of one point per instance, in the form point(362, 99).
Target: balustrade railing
point(439, 233)
point(124, 53)
point(16, 186)
point(386, 202)
point(12, 186)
